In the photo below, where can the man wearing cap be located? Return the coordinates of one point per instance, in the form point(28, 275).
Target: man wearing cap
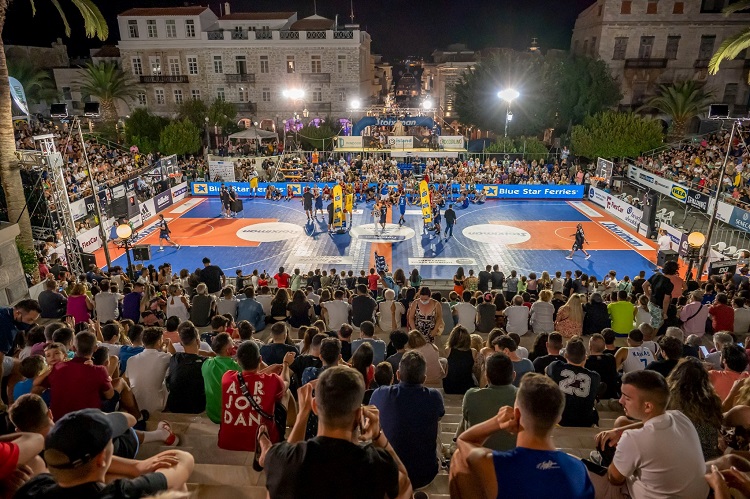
point(79, 453)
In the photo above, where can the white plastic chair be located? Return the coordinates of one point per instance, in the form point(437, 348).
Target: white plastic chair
point(720, 247)
point(731, 250)
point(668, 218)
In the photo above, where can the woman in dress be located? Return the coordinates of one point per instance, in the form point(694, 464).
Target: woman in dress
point(279, 305)
point(177, 304)
point(79, 304)
point(458, 281)
point(426, 316)
point(569, 321)
point(462, 362)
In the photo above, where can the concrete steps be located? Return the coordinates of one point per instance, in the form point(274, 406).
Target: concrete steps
point(221, 474)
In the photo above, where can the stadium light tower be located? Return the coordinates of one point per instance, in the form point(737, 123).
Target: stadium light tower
point(508, 95)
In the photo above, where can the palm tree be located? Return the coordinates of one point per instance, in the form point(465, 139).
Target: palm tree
point(37, 83)
point(735, 44)
point(681, 101)
point(108, 83)
point(10, 176)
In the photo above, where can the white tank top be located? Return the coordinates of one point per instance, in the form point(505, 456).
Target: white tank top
point(177, 308)
point(637, 360)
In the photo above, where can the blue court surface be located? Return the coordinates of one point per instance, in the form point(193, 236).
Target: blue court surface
point(529, 236)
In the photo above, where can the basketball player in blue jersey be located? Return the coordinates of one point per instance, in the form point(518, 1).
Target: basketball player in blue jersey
point(402, 209)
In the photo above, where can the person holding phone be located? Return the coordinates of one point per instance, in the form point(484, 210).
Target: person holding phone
point(297, 466)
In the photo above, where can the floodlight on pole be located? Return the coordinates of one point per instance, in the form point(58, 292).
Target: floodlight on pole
point(508, 95)
point(294, 93)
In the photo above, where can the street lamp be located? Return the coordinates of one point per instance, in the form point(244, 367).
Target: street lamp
point(208, 139)
point(508, 95)
point(355, 104)
point(427, 104)
point(695, 240)
point(125, 236)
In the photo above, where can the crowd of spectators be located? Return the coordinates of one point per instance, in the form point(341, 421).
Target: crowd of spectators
point(349, 168)
point(698, 164)
point(526, 352)
point(110, 165)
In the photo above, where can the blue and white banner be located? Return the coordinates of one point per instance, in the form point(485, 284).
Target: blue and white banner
point(617, 207)
point(657, 183)
point(626, 236)
point(494, 191)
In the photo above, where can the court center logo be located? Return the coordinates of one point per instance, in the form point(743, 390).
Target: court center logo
point(496, 234)
point(268, 232)
point(392, 233)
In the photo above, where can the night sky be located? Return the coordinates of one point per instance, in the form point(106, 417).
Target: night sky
point(398, 28)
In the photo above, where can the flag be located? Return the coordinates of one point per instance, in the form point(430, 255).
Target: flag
point(424, 196)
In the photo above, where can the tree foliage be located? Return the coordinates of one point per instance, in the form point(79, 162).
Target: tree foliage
point(222, 113)
point(681, 101)
point(143, 130)
point(194, 110)
point(37, 83)
point(556, 91)
point(181, 138)
point(615, 135)
point(320, 138)
point(530, 147)
point(108, 83)
point(734, 45)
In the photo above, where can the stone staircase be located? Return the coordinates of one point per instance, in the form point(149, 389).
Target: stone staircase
point(222, 474)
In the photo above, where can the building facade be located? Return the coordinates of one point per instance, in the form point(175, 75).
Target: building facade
point(647, 43)
point(247, 58)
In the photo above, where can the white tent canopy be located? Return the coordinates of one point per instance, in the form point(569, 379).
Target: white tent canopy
point(253, 134)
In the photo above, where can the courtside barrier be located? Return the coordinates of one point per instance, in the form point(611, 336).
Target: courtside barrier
point(493, 191)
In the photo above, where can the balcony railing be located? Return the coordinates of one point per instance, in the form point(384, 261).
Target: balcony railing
point(215, 35)
point(316, 35)
point(239, 35)
point(289, 35)
point(701, 63)
point(164, 79)
point(240, 78)
point(343, 35)
point(245, 107)
point(646, 63)
point(264, 34)
point(319, 107)
point(316, 77)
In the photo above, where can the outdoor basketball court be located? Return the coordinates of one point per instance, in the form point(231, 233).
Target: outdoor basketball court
point(523, 235)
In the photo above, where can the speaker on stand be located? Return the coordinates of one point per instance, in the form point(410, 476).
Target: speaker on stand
point(649, 214)
point(141, 252)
